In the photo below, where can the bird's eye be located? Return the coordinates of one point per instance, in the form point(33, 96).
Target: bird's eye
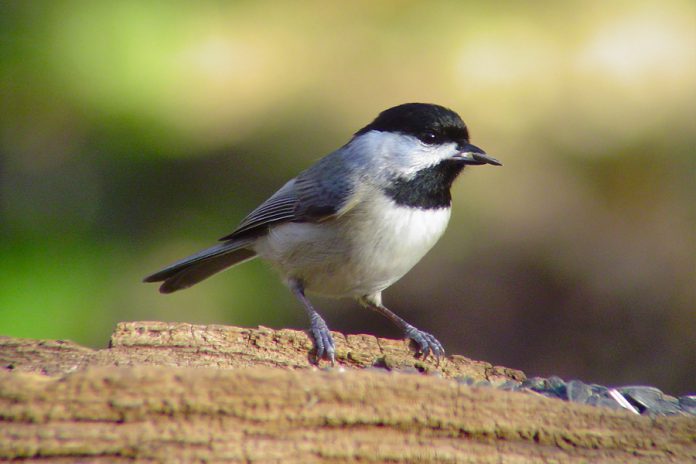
point(429, 137)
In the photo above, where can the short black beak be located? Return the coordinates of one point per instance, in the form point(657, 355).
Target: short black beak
point(471, 154)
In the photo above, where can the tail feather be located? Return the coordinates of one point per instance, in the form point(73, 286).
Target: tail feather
point(195, 268)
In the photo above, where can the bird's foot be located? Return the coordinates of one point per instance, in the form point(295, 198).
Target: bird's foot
point(425, 342)
point(323, 341)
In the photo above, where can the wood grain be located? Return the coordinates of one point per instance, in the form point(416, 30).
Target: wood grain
point(185, 393)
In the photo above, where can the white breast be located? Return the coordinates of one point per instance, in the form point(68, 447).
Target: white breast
point(361, 253)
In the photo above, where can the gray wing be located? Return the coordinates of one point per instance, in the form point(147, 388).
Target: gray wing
point(319, 193)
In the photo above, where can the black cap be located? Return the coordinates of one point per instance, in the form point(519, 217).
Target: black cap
point(428, 122)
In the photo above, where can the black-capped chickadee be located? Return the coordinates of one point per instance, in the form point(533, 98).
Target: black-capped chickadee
point(356, 221)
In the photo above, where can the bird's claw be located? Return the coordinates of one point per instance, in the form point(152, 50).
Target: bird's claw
point(323, 341)
point(425, 342)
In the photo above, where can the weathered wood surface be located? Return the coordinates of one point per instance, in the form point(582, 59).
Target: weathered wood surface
point(227, 347)
point(184, 393)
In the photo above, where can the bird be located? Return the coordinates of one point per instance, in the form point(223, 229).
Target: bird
point(354, 222)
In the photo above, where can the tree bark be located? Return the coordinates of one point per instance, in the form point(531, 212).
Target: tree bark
point(185, 393)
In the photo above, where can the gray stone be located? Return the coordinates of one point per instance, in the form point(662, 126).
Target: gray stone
point(578, 392)
point(688, 404)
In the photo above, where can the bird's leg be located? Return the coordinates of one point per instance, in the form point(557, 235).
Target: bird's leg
point(426, 342)
point(323, 342)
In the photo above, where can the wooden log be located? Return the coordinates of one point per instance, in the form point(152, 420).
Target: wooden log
point(185, 393)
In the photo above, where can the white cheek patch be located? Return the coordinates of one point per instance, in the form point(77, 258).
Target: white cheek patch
point(404, 155)
point(430, 155)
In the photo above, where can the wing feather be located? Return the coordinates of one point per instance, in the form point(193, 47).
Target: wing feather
point(317, 194)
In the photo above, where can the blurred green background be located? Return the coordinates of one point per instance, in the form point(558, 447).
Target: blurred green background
point(134, 133)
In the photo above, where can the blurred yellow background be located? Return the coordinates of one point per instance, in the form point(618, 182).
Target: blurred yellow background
point(135, 133)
